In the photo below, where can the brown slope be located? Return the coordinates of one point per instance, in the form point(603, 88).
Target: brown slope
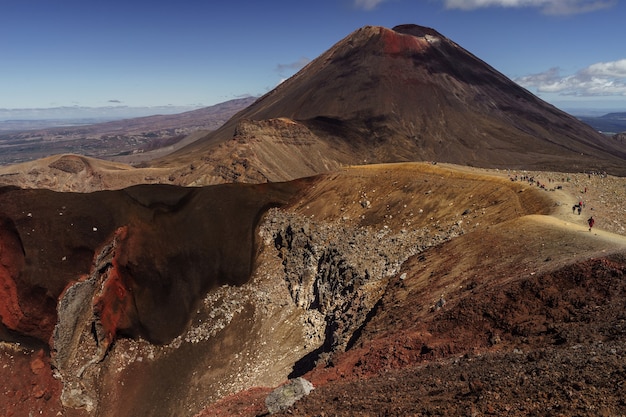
point(526, 302)
point(410, 94)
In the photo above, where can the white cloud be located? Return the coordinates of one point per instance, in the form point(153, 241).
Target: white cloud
point(615, 69)
point(600, 79)
point(367, 4)
point(554, 7)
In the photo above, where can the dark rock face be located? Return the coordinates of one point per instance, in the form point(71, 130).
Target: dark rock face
point(167, 247)
point(341, 272)
point(77, 271)
point(411, 94)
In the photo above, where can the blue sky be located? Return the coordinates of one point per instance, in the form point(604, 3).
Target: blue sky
point(138, 53)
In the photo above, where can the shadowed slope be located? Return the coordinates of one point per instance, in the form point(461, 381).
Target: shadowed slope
point(173, 244)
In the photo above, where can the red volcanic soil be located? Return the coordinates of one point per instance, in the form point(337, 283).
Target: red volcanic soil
point(247, 403)
point(395, 44)
point(11, 263)
point(27, 385)
point(24, 308)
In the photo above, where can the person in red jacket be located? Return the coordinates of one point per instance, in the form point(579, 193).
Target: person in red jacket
point(591, 222)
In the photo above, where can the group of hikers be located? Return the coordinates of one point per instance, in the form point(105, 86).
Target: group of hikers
point(576, 207)
point(579, 207)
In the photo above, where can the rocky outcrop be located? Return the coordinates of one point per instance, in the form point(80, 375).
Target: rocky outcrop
point(276, 149)
point(71, 164)
point(286, 395)
point(339, 272)
point(91, 313)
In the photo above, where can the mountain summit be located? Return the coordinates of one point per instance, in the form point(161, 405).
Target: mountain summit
point(401, 94)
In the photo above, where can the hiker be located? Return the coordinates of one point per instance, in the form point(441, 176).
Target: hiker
point(580, 207)
point(591, 222)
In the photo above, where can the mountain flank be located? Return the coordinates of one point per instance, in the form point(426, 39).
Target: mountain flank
point(401, 94)
point(377, 96)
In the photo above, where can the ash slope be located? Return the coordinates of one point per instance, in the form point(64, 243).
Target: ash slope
point(406, 94)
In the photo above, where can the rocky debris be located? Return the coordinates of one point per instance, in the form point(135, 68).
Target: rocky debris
point(555, 347)
point(579, 380)
point(339, 271)
point(27, 386)
point(287, 395)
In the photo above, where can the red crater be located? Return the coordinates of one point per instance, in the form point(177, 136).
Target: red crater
point(170, 245)
point(396, 43)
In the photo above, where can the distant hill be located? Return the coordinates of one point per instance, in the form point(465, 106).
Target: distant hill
point(120, 137)
point(610, 123)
